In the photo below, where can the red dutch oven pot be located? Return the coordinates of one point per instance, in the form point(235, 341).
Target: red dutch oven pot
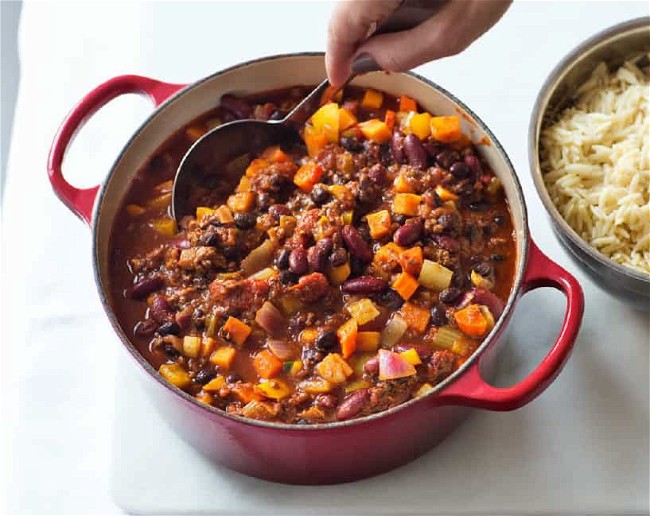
point(322, 453)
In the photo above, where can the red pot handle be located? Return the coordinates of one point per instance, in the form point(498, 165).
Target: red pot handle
point(471, 390)
point(81, 200)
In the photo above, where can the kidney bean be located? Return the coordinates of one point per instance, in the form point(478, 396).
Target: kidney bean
point(397, 147)
point(277, 210)
point(236, 106)
point(364, 285)
point(169, 328)
point(423, 351)
point(372, 365)
point(459, 170)
point(320, 195)
point(160, 310)
point(432, 148)
point(474, 164)
point(317, 258)
point(326, 340)
point(145, 328)
point(377, 174)
point(146, 286)
point(355, 243)
point(447, 158)
point(415, 153)
point(408, 234)
point(352, 404)
point(298, 261)
point(325, 244)
point(449, 295)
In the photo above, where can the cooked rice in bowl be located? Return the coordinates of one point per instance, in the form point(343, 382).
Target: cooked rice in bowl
point(595, 159)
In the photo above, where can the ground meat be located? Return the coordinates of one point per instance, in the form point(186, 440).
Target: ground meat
point(440, 365)
point(311, 288)
point(237, 296)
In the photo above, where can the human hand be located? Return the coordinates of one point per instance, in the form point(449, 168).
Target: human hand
point(450, 30)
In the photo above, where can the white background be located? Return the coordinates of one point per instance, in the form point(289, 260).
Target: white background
point(59, 359)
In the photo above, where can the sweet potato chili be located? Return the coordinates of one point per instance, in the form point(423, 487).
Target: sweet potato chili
point(339, 277)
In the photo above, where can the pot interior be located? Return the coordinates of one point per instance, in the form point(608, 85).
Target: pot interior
point(274, 73)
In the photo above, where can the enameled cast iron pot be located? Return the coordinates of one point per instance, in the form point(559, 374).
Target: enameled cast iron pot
point(334, 452)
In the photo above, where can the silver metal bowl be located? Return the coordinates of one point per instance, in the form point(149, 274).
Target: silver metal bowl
point(613, 46)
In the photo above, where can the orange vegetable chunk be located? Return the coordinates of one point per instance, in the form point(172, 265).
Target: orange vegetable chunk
point(307, 176)
point(372, 99)
point(347, 334)
point(326, 121)
point(406, 204)
point(314, 140)
point(368, 341)
point(275, 155)
point(420, 125)
point(446, 129)
point(405, 285)
point(236, 331)
point(416, 317)
point(471, 321)
point(379, 223)
point(223, 357)
point(346, 119)
point(411, 261)
point(267, 364)
point(389, 119)
point(407, 104)
point(375, 130)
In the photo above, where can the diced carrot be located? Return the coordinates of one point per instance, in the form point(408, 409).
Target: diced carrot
point(267, 364)
point(407, 104)
point(471, 321)
point(223, 357)
point(379, 223)
point(307, 176)
point(274, 389)
point(405, 285)
point(375, 130)
point(415, 316)
point(215, 385)
point(401, 185)
point(246, 392)
point(368, 341)
point(420, 125)
point(389, 119)
point(372, 99)
point(205, 397)
point(241, 202)
point(346, 119)
point(347, 334)
point(194, 133)
point(445, 129)
point(202, 211)
point(235, 331)
point(406, 204)
point(388, 253)
point(244, 185)
point(314, 140)
point(175, 374)
point(411, 260)
point(275, 154)
point(326, 121)
point(255, 166)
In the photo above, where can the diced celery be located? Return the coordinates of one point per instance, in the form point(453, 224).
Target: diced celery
point(393, 331)
point(435, 276)
point(446, 336)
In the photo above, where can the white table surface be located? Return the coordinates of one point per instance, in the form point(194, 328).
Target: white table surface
point(76, 439)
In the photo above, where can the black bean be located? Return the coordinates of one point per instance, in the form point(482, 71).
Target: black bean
point(351, 144)
point(263, 201)
point(277, 115)
point(210, 237)
point(326, 340)
point(298, 261)
point(244, 220)
point(447, 158)
point(338, 257)
point(145, 328)
point(169, 328)
point(282, 261)
point(311, 356)
point(320, 194)
point(415, 153)
point(364, 285)
point(203, 377)
point(477, 206)
point(356, 266)
point(484, 269)
point(288, 278)
point(146, 286)
point(450, 295)
point(497, 257)
point(499, 220)
point(408, 234)
point(233, 378)
point(399, 218)
point(390, 299)
point(438, 315)
point(355, 243)
point(397, 147)
point(169, 350)
point(459, 170)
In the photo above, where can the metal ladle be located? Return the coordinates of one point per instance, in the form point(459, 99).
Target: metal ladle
point(227, 149)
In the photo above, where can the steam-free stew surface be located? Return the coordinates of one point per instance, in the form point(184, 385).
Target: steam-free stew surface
point(339, 277)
